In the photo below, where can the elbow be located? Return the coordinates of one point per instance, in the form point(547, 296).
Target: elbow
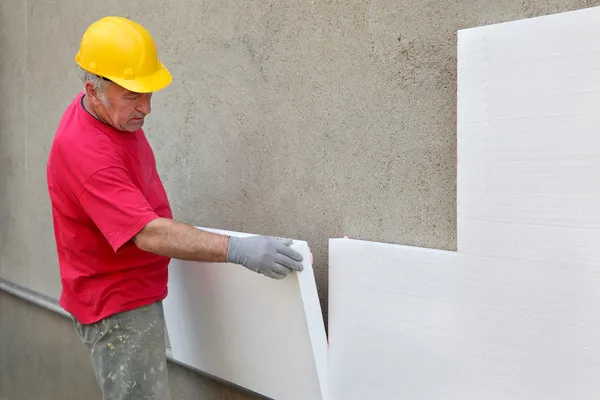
point(145, 239)
point(142, 241)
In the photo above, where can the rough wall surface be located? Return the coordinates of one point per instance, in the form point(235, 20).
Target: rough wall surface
point(302, 119)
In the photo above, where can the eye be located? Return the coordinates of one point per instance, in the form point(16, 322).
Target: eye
point(131, 96)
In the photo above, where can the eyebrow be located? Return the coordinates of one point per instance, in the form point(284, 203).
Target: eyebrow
point(108, 80)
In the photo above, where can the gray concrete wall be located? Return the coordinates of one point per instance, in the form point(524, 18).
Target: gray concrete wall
point(40, 358)
point(302, 119)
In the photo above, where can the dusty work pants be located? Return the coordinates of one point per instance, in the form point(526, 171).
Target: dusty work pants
point(128, 353)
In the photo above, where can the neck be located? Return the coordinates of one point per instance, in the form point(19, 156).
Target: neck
point(90, 109)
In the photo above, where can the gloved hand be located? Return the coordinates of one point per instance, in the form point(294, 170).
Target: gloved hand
point(264, 255)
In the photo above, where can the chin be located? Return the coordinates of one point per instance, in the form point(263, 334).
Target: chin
point(132, 127)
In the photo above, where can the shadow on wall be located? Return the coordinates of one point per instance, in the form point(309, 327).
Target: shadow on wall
point(5, 160)
point(4, 168)
point(13, 75)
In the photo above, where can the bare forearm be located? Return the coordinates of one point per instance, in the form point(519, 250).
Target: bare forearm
point(173, 239)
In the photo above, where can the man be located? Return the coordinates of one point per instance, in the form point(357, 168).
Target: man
point(112, 221)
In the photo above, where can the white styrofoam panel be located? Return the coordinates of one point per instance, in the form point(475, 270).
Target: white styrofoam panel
point(262, 334)
point(413, 323)
point(528, 138)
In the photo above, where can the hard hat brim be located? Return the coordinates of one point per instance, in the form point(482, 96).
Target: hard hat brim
point(145, 84)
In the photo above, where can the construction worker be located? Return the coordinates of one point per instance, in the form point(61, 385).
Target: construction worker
point(113, 225)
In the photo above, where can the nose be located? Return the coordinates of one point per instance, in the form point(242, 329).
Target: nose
point(144, 105)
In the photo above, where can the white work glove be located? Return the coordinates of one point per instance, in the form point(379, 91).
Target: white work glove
point(265, 255)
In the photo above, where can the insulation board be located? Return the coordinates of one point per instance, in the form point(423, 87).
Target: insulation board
point(413, 323)
point(529, 138)
point(262, 334)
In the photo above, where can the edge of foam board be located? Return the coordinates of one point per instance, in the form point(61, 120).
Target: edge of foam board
point(182, 341)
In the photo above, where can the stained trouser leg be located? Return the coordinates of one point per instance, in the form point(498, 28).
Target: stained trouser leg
point(128, 353)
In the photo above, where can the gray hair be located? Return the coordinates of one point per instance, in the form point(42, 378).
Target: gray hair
point(98, 83)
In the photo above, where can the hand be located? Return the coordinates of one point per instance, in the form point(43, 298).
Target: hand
point(265, 255)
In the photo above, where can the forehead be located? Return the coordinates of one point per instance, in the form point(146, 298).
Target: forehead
point(120, 90)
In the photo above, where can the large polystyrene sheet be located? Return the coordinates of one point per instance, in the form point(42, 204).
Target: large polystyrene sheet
point(413, 323)
point(262, 334)
point(528, 138)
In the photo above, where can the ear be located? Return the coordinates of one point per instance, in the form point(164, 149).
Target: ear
point(92, 94)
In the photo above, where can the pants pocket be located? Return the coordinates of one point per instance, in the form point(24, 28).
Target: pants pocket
point(88, 333)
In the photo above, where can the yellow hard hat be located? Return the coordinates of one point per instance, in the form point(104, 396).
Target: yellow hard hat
point(124, 52)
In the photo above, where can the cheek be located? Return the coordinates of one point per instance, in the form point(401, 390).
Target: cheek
point(121, 114)
point(118, 118)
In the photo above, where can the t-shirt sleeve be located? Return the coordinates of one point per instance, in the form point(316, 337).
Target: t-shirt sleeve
point(117, 207)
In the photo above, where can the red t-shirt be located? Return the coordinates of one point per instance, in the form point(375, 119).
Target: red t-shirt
point(104, 189)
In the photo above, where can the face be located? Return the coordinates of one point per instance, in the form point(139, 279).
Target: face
point(120, 108)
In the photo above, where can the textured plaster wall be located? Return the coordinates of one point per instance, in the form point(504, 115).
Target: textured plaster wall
point(302, 119)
